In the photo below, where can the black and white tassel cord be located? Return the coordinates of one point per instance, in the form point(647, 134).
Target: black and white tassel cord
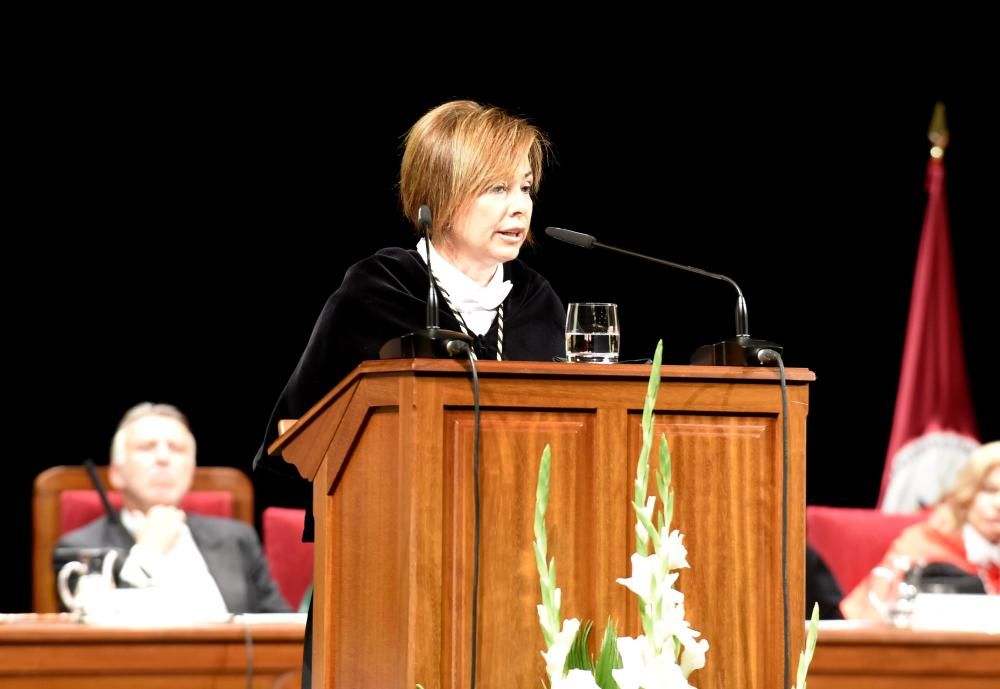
point(465, 326)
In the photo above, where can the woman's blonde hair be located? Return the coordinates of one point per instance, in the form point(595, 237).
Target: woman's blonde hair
point(457, 151)
point(954, 507)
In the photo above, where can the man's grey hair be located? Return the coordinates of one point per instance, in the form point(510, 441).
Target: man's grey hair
point(140, 411)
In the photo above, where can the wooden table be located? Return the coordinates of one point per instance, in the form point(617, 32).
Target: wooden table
point(58, 654)
point(877, 657)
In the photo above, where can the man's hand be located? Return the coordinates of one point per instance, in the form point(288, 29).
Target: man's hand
point(161, 528)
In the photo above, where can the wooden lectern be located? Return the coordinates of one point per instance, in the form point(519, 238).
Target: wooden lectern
point(390, 454)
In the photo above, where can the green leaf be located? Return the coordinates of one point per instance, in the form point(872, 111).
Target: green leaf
point(539, 561)
point(542, 497)
point(578, 657)
point(609, 658)
point(807, 653)
point(546, 571)
point(642, 465)
point(654, 536)
point(663, 478)
point(664, 475)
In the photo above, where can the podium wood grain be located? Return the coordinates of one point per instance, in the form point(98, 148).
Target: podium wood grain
point(390, 453)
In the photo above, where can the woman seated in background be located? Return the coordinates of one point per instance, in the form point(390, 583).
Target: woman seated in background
point(962, 536)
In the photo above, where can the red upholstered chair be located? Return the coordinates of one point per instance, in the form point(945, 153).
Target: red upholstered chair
point(80, 507)
point(64, 500)
point(290, 560)
point(853, 540)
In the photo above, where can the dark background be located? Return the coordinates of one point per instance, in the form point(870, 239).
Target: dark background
point(182, 230)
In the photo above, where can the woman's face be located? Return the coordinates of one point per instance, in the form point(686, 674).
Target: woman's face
point(984, 514)
point(490, 229)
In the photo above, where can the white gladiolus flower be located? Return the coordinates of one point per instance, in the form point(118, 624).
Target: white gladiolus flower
point(665, 590)
point(576, 679)
point(543, 615)
point(673, 551)
point(670, 650)
point(693, 656)
point(555, 657)
point(669, 624)
point(642, 668)
point(543, 619)
point(643, 579)
point(633, 651)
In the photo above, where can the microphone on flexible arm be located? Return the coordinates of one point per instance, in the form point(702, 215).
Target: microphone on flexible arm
point(741, 350)
point(95, 481)
point(65, 554)
point(431, 342)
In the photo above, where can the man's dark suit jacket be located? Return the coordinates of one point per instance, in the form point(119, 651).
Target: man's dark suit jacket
point(231, 550)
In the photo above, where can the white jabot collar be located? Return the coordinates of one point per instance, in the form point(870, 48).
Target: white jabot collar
point(476, 303)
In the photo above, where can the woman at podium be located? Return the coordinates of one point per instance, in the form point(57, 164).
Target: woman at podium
point(474, 170)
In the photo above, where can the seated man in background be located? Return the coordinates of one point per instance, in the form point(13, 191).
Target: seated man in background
point(959, 543)
point(208, 564)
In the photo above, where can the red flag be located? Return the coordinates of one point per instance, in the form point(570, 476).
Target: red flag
point(933, 427)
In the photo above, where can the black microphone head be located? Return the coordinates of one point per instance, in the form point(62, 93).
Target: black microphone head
point(424, 218)
point(570, 237)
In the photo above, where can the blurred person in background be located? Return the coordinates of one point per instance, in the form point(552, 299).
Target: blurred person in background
point(211, 565)
point(958, 547)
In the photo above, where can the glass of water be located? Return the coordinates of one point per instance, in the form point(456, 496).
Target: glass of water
point(592, 333)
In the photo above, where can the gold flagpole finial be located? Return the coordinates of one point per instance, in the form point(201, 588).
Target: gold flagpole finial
point(938, 133)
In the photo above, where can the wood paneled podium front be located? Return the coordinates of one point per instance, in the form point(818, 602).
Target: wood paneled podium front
point(390, 454)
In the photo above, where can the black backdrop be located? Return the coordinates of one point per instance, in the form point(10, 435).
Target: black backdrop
point(183, 233)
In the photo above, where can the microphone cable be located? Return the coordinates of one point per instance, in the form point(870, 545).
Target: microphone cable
point(113, 518)
point(768, 356)
point(456, 347)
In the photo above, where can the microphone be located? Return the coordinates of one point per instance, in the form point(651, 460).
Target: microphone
point(65, 554)
point(431, 342)
point(741, 350)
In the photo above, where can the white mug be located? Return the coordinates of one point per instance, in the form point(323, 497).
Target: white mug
point(94, 579)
